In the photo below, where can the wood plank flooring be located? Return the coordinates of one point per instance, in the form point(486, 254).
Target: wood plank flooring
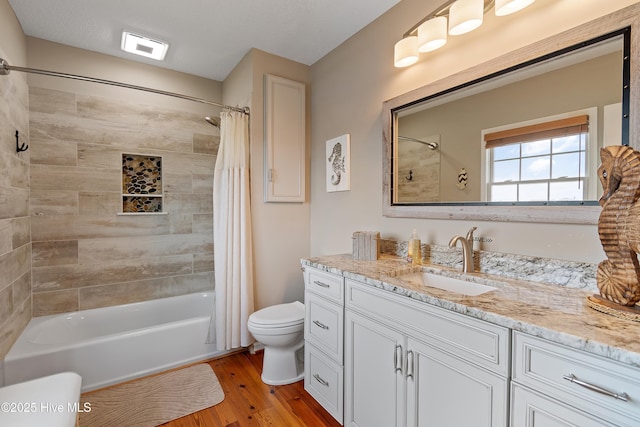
point(250, 402)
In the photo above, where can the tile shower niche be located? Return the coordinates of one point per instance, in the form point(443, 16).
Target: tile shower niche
point(141, 184)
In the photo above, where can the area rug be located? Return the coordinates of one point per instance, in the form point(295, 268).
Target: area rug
point(153, 400)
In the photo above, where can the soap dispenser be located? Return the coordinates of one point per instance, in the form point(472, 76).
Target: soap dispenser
point(414, 250)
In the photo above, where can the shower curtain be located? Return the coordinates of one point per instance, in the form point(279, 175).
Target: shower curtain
point(232, 244)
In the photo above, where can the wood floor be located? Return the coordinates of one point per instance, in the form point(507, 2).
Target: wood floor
point(250, 402)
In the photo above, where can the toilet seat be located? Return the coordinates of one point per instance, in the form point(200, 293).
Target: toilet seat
point(279, 316)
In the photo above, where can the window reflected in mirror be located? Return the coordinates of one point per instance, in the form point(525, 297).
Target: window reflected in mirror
point(528, 135)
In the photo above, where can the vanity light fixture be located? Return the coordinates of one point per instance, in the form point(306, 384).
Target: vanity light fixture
point(463, 16)
point(145, 46)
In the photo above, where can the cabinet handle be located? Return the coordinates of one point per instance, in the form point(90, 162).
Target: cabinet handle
point(409, 369)
point(320, 325)
point(396, 358)
point(320, 380)
point(572, 378)
point(319, 283)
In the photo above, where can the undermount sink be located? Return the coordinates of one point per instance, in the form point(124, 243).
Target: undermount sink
point(448, 283)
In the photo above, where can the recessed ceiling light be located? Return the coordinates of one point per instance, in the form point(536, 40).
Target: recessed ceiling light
point(145, 46)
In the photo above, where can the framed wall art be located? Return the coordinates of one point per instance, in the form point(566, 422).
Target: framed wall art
point(338, 161)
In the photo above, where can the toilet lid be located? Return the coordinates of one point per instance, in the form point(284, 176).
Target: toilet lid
point(280, 315)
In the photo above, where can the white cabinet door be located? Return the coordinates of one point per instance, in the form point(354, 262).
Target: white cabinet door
point(443, 390)
point(374, 382)
point(285, 140)
point(531, 409)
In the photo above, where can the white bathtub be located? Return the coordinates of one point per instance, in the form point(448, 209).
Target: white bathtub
point(114, 344)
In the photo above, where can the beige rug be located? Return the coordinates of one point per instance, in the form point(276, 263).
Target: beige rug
point(153, 400)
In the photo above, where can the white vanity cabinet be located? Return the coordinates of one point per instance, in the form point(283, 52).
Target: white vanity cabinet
point(553, 385)
point(408, 363)
point(324, 339)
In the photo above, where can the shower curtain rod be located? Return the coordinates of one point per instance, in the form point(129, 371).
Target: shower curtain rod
point(431, 145)
point(5, 68)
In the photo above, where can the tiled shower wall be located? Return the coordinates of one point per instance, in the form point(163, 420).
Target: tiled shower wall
point(15, 240)
point(84, 254)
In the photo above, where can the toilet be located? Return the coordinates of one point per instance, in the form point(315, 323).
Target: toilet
point(281, 329)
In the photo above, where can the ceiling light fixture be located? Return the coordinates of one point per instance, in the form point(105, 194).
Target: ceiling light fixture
point(145, 46)
point(463, 16)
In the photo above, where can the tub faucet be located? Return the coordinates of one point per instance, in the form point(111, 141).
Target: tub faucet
point(467, 249)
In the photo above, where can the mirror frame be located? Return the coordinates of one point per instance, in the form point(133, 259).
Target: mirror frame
point(628, 17)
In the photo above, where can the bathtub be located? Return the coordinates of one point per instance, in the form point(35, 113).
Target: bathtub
point(114, 344)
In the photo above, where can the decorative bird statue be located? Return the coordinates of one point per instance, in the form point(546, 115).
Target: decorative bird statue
point(618, 277)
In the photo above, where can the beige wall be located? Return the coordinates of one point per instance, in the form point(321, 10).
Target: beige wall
point(351, 83)
point(15, 235)
point(280, 230)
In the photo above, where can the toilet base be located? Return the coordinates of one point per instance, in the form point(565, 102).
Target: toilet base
point(283, 366)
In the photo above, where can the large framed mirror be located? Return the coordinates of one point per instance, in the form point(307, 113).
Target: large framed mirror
point(516, 138)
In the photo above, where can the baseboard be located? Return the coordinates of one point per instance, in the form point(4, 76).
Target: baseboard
point(256, 346)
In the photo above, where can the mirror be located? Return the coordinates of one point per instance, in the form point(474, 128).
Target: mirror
point(437, 164)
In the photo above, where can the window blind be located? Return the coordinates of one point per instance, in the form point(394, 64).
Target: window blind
point(553, 129)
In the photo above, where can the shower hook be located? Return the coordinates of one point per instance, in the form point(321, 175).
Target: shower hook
point(19, 147)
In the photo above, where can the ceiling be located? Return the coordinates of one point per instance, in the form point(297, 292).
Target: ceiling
point(206, 38)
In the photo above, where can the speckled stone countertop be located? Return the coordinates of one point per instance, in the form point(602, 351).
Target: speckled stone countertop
point(556, 313)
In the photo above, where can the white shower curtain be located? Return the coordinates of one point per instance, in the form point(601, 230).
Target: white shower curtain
point(232, 245)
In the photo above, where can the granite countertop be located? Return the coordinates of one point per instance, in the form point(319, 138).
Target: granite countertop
point(552, 312)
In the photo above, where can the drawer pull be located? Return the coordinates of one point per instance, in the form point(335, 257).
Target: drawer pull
point(320, 380)
point(572, 378)
point(319, 283)
point(409, 368)
point(396, 358)
point(321, 325)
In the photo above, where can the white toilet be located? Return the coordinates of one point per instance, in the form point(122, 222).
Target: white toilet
point(281, 329)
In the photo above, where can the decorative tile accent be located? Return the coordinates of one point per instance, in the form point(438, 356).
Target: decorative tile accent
point(142, 176)
point(141, 204)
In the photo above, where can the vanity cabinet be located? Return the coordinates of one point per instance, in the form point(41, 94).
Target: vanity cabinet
point(409, 363)
point(324, 339)
point(554, 385)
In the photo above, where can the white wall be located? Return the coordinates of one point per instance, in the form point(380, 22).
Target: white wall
point(351, 83)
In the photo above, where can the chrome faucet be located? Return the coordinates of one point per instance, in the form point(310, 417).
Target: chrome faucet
point(467, 249)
